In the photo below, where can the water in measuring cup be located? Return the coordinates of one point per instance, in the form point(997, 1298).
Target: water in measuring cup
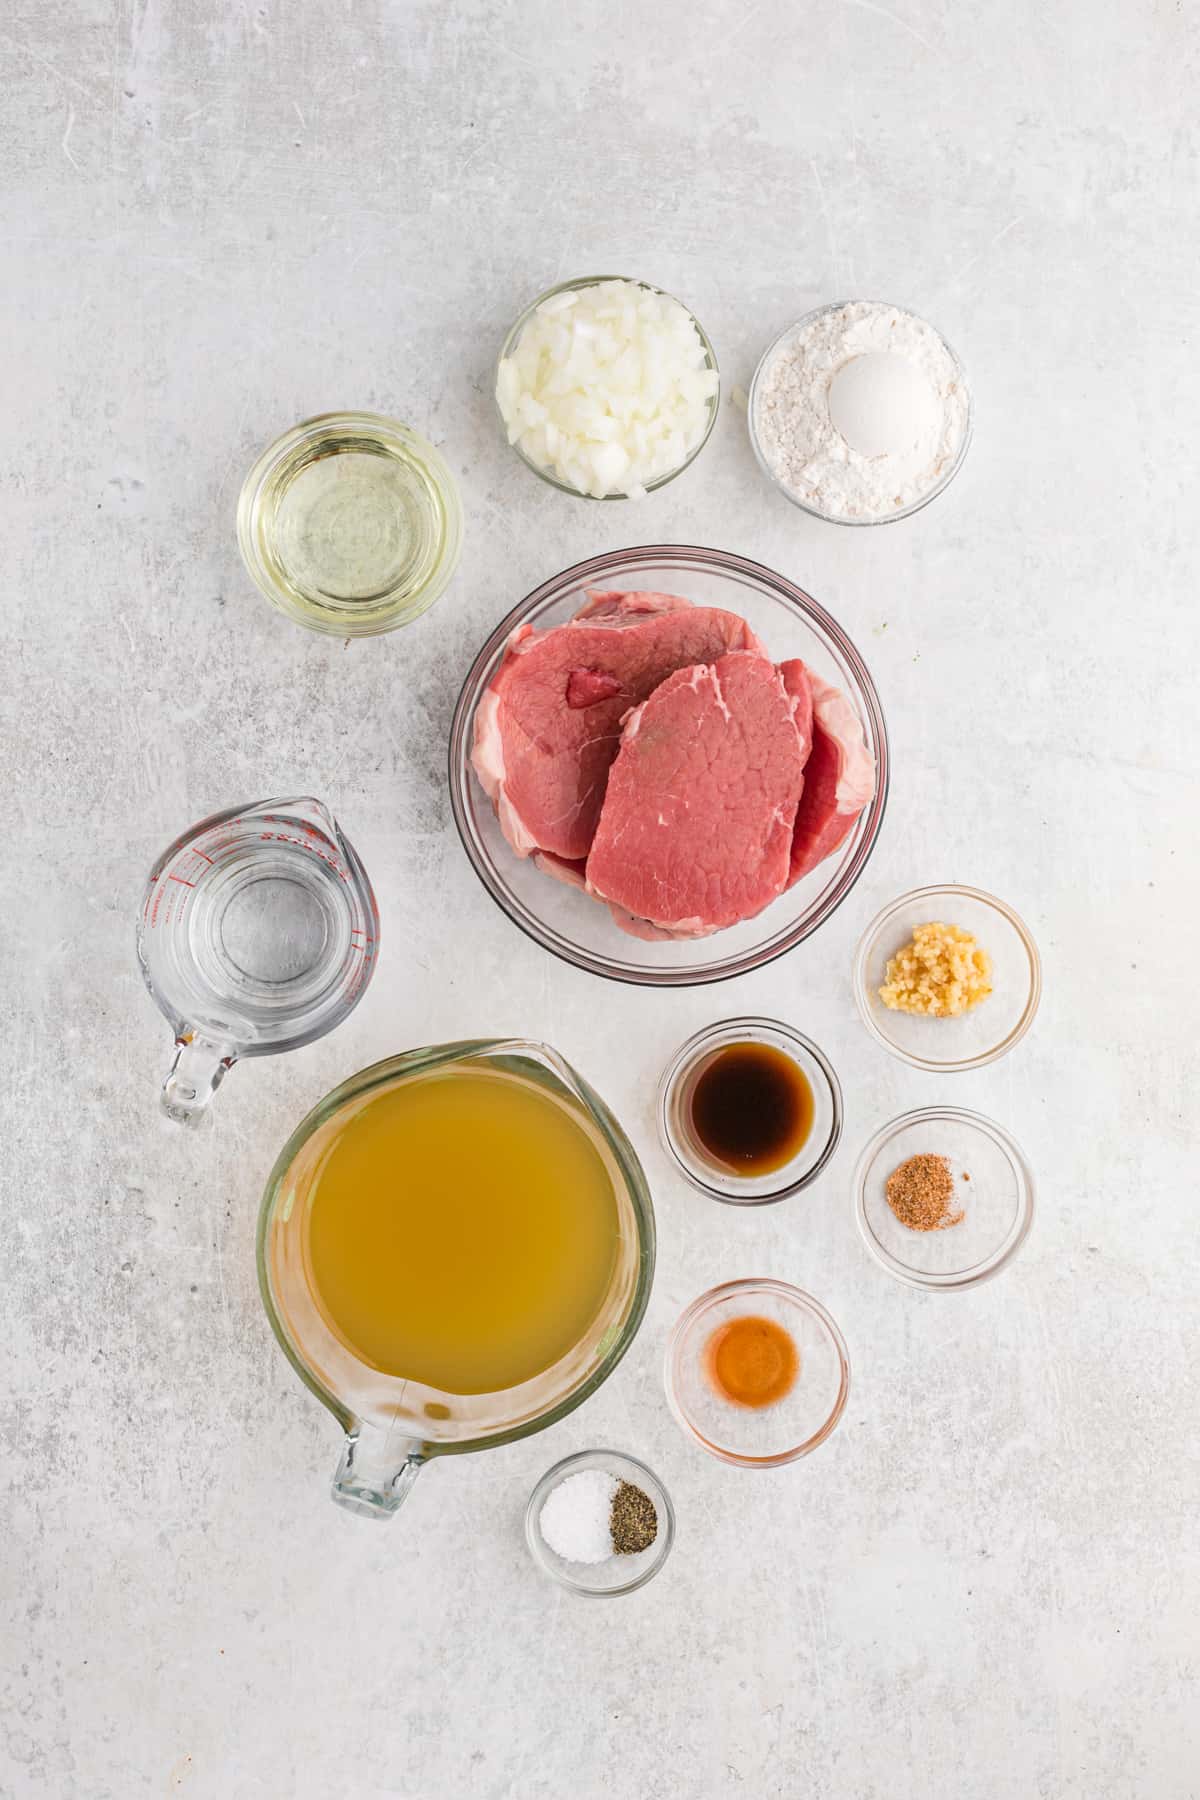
point(258, 934)
point(270, 933)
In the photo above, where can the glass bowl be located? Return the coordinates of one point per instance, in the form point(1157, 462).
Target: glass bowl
point(974, 1038)
point(578, 928)
point(764, 366)
point(585, 281)
point(620, 1574)
point(350, 523)
point(997, 1199)
point(674, 1093)
point(751, 1437)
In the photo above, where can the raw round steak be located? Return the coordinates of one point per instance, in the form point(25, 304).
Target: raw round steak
point(549, 725)
point(696, 830)
point(798, 687)
point(839, 777)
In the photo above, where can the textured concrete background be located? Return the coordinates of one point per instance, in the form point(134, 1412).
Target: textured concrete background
point(219, 218)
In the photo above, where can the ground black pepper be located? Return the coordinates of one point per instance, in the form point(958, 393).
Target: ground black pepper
point(634, 1521)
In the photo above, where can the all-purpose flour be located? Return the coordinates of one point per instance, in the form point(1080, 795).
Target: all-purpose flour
point(920, 411)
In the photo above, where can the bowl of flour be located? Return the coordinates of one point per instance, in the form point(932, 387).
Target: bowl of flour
point(860, 413)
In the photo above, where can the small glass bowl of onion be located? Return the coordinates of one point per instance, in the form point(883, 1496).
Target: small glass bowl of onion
point(607, 388)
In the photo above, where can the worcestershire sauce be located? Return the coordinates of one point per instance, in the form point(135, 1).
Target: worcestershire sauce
point(751, 1108)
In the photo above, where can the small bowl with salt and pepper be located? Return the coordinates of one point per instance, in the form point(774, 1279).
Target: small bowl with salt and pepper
point(600, 1523)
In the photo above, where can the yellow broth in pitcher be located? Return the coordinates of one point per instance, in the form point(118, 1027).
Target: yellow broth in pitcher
point(461, 1230)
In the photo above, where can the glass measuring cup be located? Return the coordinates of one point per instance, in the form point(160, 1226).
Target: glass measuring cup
point(258, 933)
point(394, 1426)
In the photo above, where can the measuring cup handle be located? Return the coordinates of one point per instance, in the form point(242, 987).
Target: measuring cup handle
point(194, 1077)
point(376, 1473)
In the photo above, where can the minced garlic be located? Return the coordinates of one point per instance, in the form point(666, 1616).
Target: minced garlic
point(941, 973)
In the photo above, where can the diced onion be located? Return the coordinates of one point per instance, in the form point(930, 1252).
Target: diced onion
point(608, 388)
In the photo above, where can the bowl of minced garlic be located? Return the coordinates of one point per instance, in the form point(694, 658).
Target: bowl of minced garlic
point(925, 967)
point(941, 972)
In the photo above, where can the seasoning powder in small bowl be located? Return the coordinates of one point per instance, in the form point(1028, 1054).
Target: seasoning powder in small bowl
point(920, 1191)
point(600, 1523)
point(860, 413)
point(943, 1197)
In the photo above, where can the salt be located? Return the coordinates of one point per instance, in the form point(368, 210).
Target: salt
point(575, 1520)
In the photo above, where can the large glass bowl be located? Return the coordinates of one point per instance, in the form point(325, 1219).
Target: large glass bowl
point(572, 924)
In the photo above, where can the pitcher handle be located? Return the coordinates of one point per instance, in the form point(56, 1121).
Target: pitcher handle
point(376, 1473)
point(194, 1077)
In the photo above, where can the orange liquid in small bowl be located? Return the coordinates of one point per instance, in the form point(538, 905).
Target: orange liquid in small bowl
point(752, 1361)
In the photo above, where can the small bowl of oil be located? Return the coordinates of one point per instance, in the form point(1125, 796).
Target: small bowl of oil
point(749, 1111)
point(351, 524)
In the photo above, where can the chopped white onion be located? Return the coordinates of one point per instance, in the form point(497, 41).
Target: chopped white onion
point(608, 388)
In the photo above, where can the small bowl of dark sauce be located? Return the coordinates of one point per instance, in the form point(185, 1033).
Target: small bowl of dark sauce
point(750, 1111)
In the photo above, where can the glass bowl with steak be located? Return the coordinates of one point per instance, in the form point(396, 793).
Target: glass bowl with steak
point(668, 765)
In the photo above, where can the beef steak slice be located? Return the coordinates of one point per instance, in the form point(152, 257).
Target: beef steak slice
point(549, 724)
point(696, 828)
point(839, 776)
point(797, 685)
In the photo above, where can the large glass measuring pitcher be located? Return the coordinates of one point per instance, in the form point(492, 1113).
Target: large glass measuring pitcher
point(394, 1422)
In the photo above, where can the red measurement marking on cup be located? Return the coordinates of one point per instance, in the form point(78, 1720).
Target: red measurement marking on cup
point(181, 881)
point(313, 846)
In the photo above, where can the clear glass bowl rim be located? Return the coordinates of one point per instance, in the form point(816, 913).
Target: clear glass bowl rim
point(343, 620)
point(750, 1286)
point(571, 286)
point(594, 571)
point(904, 512)
point(1004, 1252)
point(559, 1472)
point(951, 890)
point(732, 1029)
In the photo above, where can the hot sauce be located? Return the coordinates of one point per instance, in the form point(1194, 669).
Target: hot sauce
point(752, 1361)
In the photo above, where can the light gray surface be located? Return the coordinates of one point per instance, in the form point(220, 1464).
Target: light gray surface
point(220, 218)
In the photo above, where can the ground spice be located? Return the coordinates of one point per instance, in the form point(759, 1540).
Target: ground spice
point(921, 1194)
point(634, 1521)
